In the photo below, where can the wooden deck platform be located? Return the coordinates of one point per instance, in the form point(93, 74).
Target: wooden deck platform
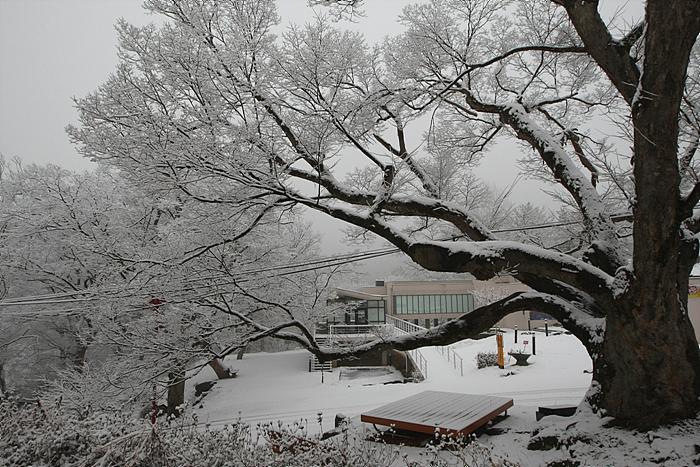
point(446, 413)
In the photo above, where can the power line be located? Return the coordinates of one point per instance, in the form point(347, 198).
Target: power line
point(89, 295)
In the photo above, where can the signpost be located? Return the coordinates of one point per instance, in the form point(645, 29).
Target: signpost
point(501, 359)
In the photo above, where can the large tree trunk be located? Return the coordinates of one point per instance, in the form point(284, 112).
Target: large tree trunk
point(649, 369)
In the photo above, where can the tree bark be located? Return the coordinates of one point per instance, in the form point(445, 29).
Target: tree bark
point(176, 392)
point(649, 370)
point(3, 385)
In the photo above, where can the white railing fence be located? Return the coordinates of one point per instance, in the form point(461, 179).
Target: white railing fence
point(404, 327)
point(393, 327)
point(448, 351)
point(354, 329)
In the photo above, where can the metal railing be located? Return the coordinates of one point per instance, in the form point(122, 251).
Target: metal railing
point(350, 329)
point(449, 350)
point(402, 327)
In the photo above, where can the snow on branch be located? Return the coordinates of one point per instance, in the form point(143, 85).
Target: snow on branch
point(611, 55)
point(488, 259)
point(564, 170)
point(589, 330)
point(410, 206)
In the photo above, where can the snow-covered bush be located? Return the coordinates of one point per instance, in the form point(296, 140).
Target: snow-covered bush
point(484, 359)
point(455, 453)
point(34, 434)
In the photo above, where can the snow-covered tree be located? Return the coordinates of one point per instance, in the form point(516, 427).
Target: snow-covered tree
point(214, 105)
point(153, 284)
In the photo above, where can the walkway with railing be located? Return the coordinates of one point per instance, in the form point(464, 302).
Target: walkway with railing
point(402, 327)
point(338, 333)
point(449, 352)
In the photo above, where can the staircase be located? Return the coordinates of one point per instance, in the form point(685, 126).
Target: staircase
point(314, 363)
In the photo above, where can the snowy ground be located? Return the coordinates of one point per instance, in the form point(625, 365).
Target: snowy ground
point(278, 387)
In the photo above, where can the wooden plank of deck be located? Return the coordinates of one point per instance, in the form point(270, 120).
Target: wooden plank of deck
point(445, 413)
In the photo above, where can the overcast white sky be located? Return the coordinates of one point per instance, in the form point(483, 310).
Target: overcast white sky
point(53, 50)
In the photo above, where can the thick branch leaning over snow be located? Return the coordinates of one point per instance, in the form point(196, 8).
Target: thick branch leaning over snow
point(589, 330)
point(607, 255)
point(489, 259)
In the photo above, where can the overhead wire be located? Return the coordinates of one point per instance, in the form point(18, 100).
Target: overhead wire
point(92, 295)
point(89, 295)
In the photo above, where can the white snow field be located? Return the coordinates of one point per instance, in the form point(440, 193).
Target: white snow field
point(273, 387)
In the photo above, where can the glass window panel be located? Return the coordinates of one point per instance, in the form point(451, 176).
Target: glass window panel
point(460, 303)
point(453, 303)
point(470, 302)
point(443, 303)
point(373, 315)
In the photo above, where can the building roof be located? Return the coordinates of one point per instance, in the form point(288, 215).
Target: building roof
point(359, 295)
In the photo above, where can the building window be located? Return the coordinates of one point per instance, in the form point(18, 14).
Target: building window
point(433, 304)
point(375, 311)
point(359, 312)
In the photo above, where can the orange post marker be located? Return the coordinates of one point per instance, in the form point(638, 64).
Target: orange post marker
point(499, 342)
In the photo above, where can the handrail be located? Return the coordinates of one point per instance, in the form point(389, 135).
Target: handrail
point(455, 357)
point(403, 327)
point(408, 328)
point(357, 328)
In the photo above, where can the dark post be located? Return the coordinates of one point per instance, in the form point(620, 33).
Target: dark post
point(546, 328)
point(516, 333)
point(534, 352)
point(528, 325)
